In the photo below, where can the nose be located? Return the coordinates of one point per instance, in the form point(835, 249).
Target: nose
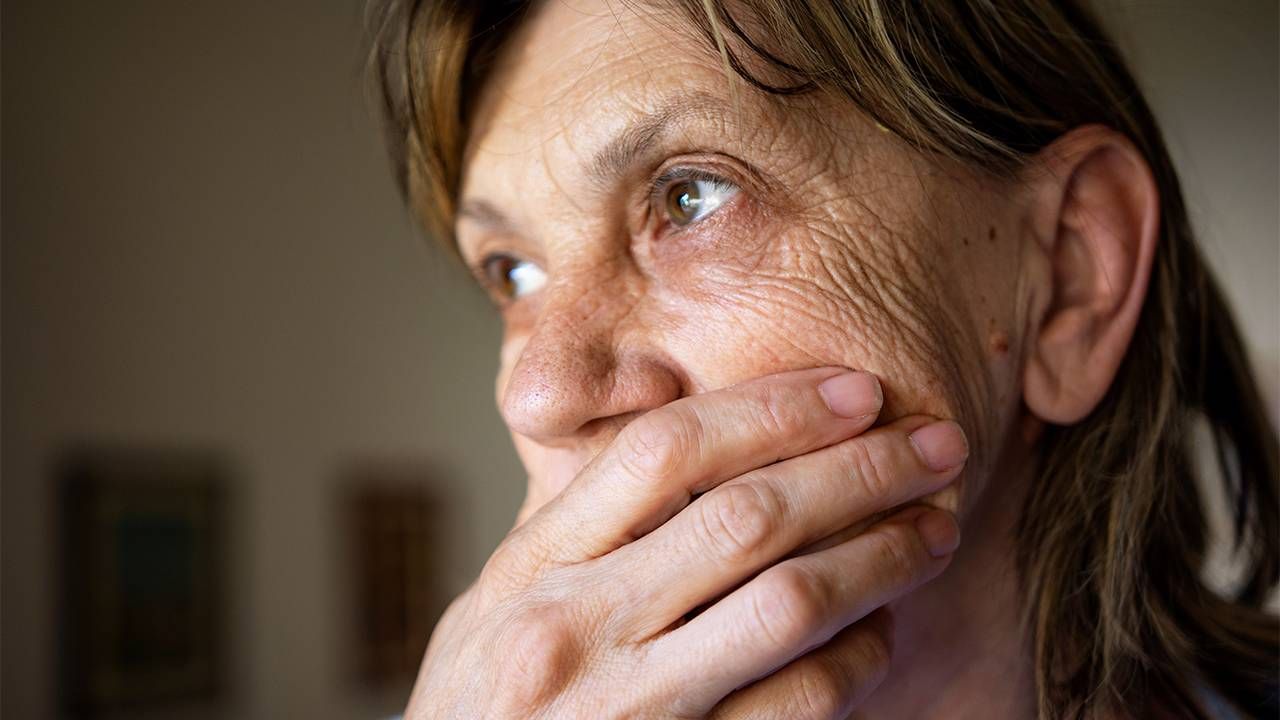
point(588, 360)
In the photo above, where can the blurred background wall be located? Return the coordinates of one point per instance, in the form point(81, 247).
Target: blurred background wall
point(203, 251)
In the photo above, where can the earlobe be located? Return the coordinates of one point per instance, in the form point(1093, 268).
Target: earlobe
point(1096, 211)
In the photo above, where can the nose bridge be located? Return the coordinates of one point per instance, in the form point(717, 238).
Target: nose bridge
point(582, 361)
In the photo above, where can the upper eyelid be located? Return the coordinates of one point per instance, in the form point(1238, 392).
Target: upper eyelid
point(485, 241)
point(689, 172)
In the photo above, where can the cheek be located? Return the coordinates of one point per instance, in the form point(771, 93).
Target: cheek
point(783, 297)
point(854, 294)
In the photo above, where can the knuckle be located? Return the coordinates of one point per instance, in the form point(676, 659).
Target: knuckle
point(781, 415)
point(821, 689)
point(846, 668)
point(736, 519)
point(657, 445)
point(874, 651)
point(894, 555)
point(509, 565)
point(536, 658)
point(789, 605)
point(870, 470)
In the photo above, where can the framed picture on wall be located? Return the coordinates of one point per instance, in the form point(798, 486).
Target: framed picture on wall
point(396, 525)
point(142, 555)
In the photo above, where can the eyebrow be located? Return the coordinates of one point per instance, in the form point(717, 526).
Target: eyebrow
point(617, 156)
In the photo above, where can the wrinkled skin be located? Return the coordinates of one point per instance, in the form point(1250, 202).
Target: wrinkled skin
point(842, 247)
point(857, 252)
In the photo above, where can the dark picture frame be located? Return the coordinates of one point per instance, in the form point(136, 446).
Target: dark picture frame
point(143, 579)
point(397, 520)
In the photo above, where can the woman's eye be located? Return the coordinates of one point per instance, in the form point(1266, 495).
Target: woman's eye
point(690, 200)
point(512, 277)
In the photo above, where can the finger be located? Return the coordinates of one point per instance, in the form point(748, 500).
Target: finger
point(731, 532)
point(828, 683)
point(799, 604)
point(683, 448)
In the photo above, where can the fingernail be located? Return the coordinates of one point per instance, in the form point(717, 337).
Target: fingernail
point(940, 531)
point(852, 394)
point(941, 445)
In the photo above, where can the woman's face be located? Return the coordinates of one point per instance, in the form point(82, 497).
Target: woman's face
point(648, 236)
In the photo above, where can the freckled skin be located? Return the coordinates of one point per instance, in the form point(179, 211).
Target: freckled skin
point(851, 258)
point(853, 252)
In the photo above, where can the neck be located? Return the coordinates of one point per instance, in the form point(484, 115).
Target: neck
point(959, 648)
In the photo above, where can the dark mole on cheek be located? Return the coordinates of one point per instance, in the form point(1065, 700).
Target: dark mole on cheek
point(991, 233)
point(999, 343)
point(964, 240)
point(997, 339)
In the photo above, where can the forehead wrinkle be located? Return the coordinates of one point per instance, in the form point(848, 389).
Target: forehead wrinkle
point(570, 100)
point(574, 105)
point(507, 87)
point(548, 170)
point(572, 94)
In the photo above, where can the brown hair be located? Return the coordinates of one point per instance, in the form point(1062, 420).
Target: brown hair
point(1112, 538)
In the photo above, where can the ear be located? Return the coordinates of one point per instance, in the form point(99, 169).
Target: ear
point(1095, 212)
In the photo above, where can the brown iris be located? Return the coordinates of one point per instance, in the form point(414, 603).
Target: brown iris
point(498, 272)
point(683, 200)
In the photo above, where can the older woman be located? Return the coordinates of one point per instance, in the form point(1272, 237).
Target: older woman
point(853, 351)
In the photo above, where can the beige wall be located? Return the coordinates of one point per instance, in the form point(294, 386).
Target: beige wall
point(1210, 70)
point(201, 246)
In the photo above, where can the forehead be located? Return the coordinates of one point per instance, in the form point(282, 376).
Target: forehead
point(577, 73)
